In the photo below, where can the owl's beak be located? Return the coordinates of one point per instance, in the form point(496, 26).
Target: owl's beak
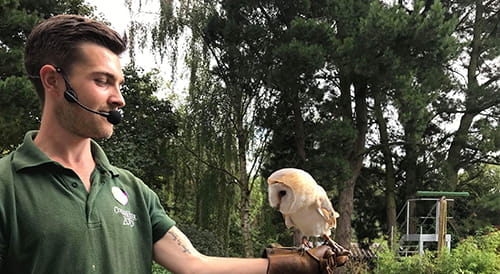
point(280, 195)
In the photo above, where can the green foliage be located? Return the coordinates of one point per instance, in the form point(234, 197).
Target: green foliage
point(300, 53)
point(475, 254)
point(405, 55)
point(140, 140)
point(357, 267)
point(19, 111)
point(19, 107)
point(370, 223)
point(203, 193)
point(282, 67)
point(261, 70)
point(204, 241)
point(481, 208)
point(158, 269)
point(389, 263)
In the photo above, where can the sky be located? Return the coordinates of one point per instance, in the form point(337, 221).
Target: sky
point(117, 13)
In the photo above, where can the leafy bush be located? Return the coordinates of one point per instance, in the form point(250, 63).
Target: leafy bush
point(475, 254)
point(158, 269)
point(389, 262)
point(357, 267)
point(203, 240)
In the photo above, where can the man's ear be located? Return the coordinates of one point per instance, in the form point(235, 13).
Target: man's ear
point(51, 80)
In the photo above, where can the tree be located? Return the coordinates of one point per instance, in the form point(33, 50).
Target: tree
point(235, 43)
point(301, 45)
point(478, 30)
point(351, 105)
point(219, 34)
point(19, 107)
point(402, 56)
point(477, 212)
point(141, 139)
point(319, 79)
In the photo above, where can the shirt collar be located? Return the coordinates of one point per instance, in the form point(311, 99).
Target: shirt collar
point(29, 155)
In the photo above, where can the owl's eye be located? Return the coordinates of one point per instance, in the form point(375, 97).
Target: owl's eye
point(282, 193)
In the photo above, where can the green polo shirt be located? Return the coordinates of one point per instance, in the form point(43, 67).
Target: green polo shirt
point(49, 223)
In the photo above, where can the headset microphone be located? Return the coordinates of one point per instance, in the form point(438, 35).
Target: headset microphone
point(113, 116)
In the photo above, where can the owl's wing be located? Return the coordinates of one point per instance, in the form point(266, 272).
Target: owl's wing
point(325, 209)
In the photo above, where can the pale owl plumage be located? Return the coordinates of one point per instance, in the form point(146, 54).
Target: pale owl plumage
point(303, 203)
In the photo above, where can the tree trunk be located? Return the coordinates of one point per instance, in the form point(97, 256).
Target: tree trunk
point(300, 143)
point(300, 148)
point(390, 179)
point(245, 223)
point(452, 162)
point(360, 122)
point(343, 232)
point(410, 167)
point(244, 188)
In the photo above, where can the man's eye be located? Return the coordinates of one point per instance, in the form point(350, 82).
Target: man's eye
point(101, 82)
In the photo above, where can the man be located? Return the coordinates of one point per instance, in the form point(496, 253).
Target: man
point(63, 207)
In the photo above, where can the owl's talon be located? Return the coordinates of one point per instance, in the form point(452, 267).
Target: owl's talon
point(306, 244)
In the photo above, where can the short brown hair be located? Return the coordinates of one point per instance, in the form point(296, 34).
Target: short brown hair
point(56, 41)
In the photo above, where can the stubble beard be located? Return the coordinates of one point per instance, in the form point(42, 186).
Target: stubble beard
point(82, 123)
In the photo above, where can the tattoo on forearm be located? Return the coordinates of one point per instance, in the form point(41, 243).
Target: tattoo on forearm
point(178, 241)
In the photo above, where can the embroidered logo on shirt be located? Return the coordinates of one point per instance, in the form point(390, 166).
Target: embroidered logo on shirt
point(129, 218)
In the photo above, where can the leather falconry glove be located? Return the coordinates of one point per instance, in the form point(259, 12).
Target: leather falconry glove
point(301, 261)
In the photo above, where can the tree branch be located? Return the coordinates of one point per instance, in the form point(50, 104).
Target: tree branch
point(491, 80)
point(200, 159)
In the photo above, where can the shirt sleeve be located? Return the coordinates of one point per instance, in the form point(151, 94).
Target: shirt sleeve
point(160, 221)
point(3, 245)
point(2, 236)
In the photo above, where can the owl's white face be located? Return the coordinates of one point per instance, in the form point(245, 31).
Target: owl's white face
point(282, 197)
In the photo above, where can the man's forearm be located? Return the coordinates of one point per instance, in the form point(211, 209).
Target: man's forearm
point(233, 265)
point(175, 252)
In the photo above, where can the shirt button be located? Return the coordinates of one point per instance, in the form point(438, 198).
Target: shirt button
point(74, 184)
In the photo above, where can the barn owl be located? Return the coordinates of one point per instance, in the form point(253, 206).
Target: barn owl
point(303, 203)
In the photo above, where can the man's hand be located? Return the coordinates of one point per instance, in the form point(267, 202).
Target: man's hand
point(321, 259)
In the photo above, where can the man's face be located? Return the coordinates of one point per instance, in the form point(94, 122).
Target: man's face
point(96, 81)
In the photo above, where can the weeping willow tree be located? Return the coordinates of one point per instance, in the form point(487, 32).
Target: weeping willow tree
point(219, 151)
